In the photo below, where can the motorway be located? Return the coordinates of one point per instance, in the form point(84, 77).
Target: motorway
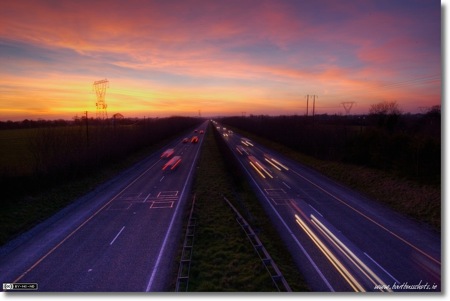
point(122, 237)
point(340, 240)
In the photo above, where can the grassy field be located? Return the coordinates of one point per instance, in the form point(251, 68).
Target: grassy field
point(15, 154)
point(223, 258)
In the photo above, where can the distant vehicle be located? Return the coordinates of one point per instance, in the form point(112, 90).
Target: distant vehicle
point(195, 131)
point(172, 163)
point(194, 139)
point(185, 140)
point(241, 150)
point(274, 162)
point(202, 131)
point(168, 153)
point(259, 167)
point(246, 142)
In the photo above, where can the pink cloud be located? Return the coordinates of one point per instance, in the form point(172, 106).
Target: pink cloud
point(336, 48)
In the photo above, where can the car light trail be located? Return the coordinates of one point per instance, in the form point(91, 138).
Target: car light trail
point(175, 165)
point(246, 142)
point(349, 254)
point(172, 163)
point(241, 150)
point(273, 164)
point(256, 168)
point(280, 164)
point(263, 169)
point(168, 153)
point(357, 287)
point(436, 261)
point(259, 167)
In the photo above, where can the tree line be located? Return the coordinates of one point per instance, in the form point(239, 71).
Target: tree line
point(406, 145)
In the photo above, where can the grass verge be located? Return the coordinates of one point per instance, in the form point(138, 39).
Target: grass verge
point(223, 259)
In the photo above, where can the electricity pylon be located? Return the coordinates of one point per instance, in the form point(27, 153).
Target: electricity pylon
point(100, 89)
point(347, 106)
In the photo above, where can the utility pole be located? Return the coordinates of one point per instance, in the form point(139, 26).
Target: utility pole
point(314, 104)
point(87, 128)
point(307, 104)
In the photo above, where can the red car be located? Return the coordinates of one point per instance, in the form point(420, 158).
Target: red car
point(168, 153)
point(172, 163)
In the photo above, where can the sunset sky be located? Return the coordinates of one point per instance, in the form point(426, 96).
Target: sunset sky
point(220, 57)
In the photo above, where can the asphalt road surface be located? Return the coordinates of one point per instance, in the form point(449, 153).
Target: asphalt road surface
point(340, 240)
point(121, 237)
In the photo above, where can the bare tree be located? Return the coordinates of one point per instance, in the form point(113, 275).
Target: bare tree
point(385, 108)
point(386, 114)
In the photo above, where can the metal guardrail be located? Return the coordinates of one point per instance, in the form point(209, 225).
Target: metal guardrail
point(274, 272)
point(186, 254)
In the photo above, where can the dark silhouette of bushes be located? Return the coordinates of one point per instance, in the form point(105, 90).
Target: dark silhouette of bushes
point(408, 146)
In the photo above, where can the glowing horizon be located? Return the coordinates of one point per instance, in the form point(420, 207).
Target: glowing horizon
point(223, 58)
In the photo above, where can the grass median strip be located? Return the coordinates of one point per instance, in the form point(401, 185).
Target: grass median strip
point(223, 259)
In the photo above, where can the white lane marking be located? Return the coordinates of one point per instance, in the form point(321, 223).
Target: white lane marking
point(287, 185)
point(145, 200)
point(114, 239)
point(84, 223)
point(162, 178)
point(381, 267)
point(315, 210)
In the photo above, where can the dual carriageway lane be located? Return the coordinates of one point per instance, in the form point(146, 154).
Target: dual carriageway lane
point(127, 240)
point(341, 240)
point(122, 238)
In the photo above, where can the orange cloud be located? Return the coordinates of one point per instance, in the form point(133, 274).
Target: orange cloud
point(232, 56)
